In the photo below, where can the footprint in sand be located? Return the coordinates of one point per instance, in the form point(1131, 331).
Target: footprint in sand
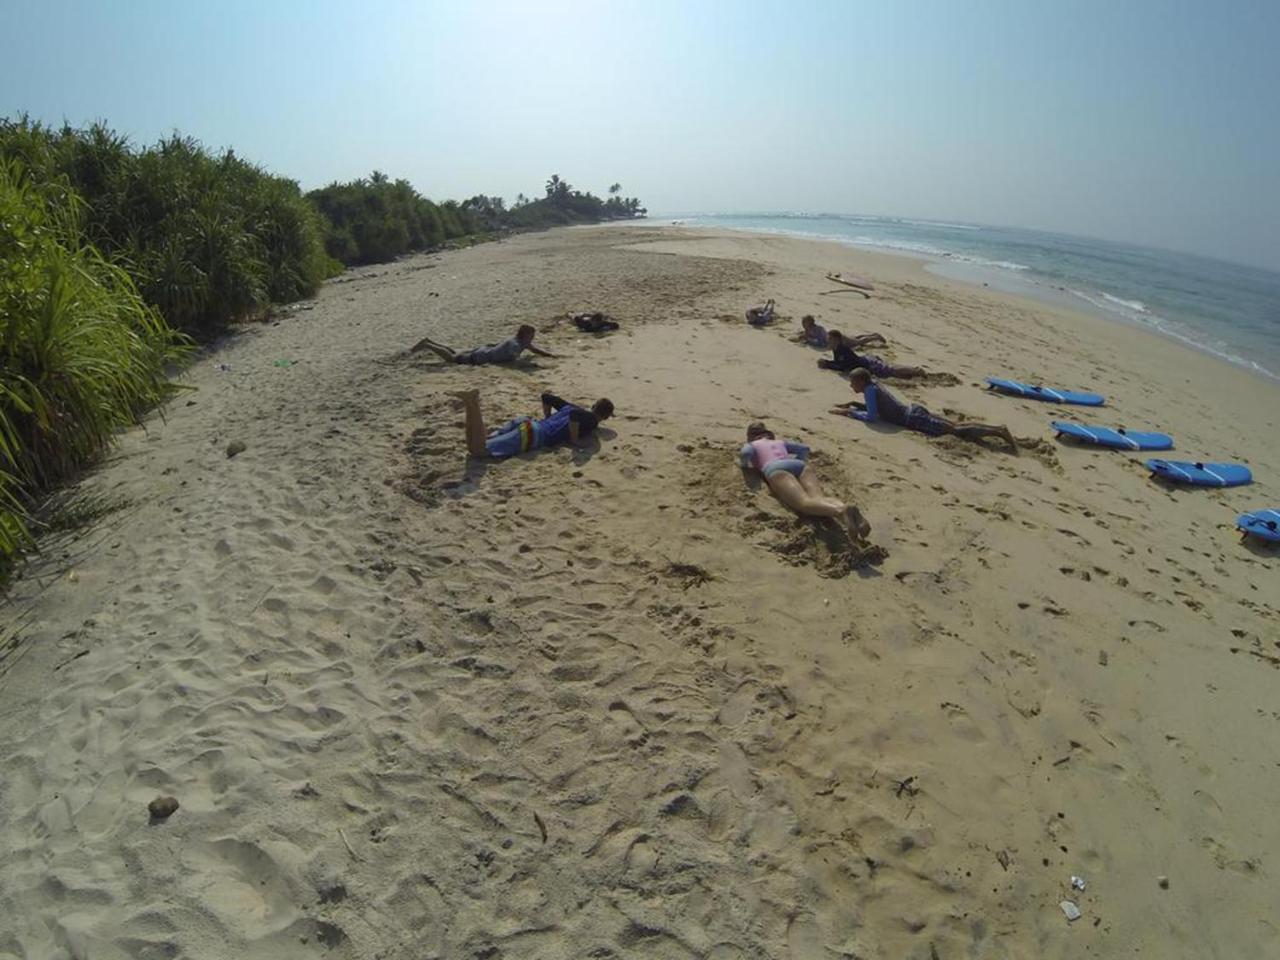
point(626, 725)
point(961, 721)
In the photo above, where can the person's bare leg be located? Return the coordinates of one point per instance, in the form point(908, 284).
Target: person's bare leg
point(906, 372)
point(439, 349)
point(857, 523)
point(976, 431)
point(789, 490)
point(470, 400)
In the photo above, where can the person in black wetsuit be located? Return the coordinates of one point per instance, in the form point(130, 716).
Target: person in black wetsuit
point(594, 322)
point(762, 315)
point(844, 359)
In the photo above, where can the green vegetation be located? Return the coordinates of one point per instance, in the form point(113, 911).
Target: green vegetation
point(208, 239)
point(115, 259)
point(374, 220)
point(81, 353)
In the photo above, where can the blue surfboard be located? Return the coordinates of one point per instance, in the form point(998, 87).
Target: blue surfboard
point(1048, 394)
point(1261, 523)
point(1201, 474)
point(1120, 439)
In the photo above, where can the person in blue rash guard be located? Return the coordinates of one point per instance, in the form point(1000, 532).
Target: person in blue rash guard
point(879, 404)
point(561, 422)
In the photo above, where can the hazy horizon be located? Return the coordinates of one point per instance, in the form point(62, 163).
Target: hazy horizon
point(1146, 123)
point(944, 221)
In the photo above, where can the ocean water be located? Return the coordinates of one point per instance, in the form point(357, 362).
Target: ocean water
point(1226, 309)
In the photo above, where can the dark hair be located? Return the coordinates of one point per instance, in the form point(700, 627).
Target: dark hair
point(602, 408)
point(758, 429)
point(807, 316)
point(836, 334)
point(526, 330)
point(859, 373)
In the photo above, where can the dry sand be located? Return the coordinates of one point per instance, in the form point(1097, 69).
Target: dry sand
point(616, 703)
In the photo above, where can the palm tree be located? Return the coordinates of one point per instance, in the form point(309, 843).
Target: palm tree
point(615, 189)
point(558, 191)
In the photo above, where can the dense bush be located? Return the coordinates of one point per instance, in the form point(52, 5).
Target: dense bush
point(208, 239)
point(374, 220)
point(81, 353)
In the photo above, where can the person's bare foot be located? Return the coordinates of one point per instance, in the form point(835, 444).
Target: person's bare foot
point(465, 397)
point(858, 524)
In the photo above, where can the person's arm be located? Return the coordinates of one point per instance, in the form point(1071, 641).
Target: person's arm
point(747, 457)
point(849, 409)
point(551, 402)
point(798, 450)
point(540, 352)
point(872, 395)
point(581, 424)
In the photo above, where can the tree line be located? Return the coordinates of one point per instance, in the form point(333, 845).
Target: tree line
point(377, 219)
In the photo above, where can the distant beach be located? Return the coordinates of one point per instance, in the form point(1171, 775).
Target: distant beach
point(1227, 309)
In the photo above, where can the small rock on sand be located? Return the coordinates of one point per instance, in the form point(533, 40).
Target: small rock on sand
point(162, 808)
point(234, 447)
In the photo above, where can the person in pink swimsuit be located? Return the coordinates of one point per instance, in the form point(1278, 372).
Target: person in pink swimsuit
point(783, 463)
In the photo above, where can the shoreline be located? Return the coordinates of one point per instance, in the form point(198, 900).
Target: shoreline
point(617, 701)
point(1046, 292)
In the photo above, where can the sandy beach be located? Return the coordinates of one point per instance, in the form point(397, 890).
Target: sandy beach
point(619, 703)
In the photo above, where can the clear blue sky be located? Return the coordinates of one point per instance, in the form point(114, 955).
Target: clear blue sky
point(1152, 121)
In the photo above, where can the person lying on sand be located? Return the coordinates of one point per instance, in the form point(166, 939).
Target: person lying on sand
point(880, 404)
point(844, 359)
point(504, 352)
point(594, 322)
point(759, 316)
point(562, 422)
point(811, 333)
point(788, 475)
point(816, 336)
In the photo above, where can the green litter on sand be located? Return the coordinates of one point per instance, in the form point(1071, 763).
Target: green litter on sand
point(284, 363)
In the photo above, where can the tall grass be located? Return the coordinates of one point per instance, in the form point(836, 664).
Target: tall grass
point(209, 239)
point(81, 352)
